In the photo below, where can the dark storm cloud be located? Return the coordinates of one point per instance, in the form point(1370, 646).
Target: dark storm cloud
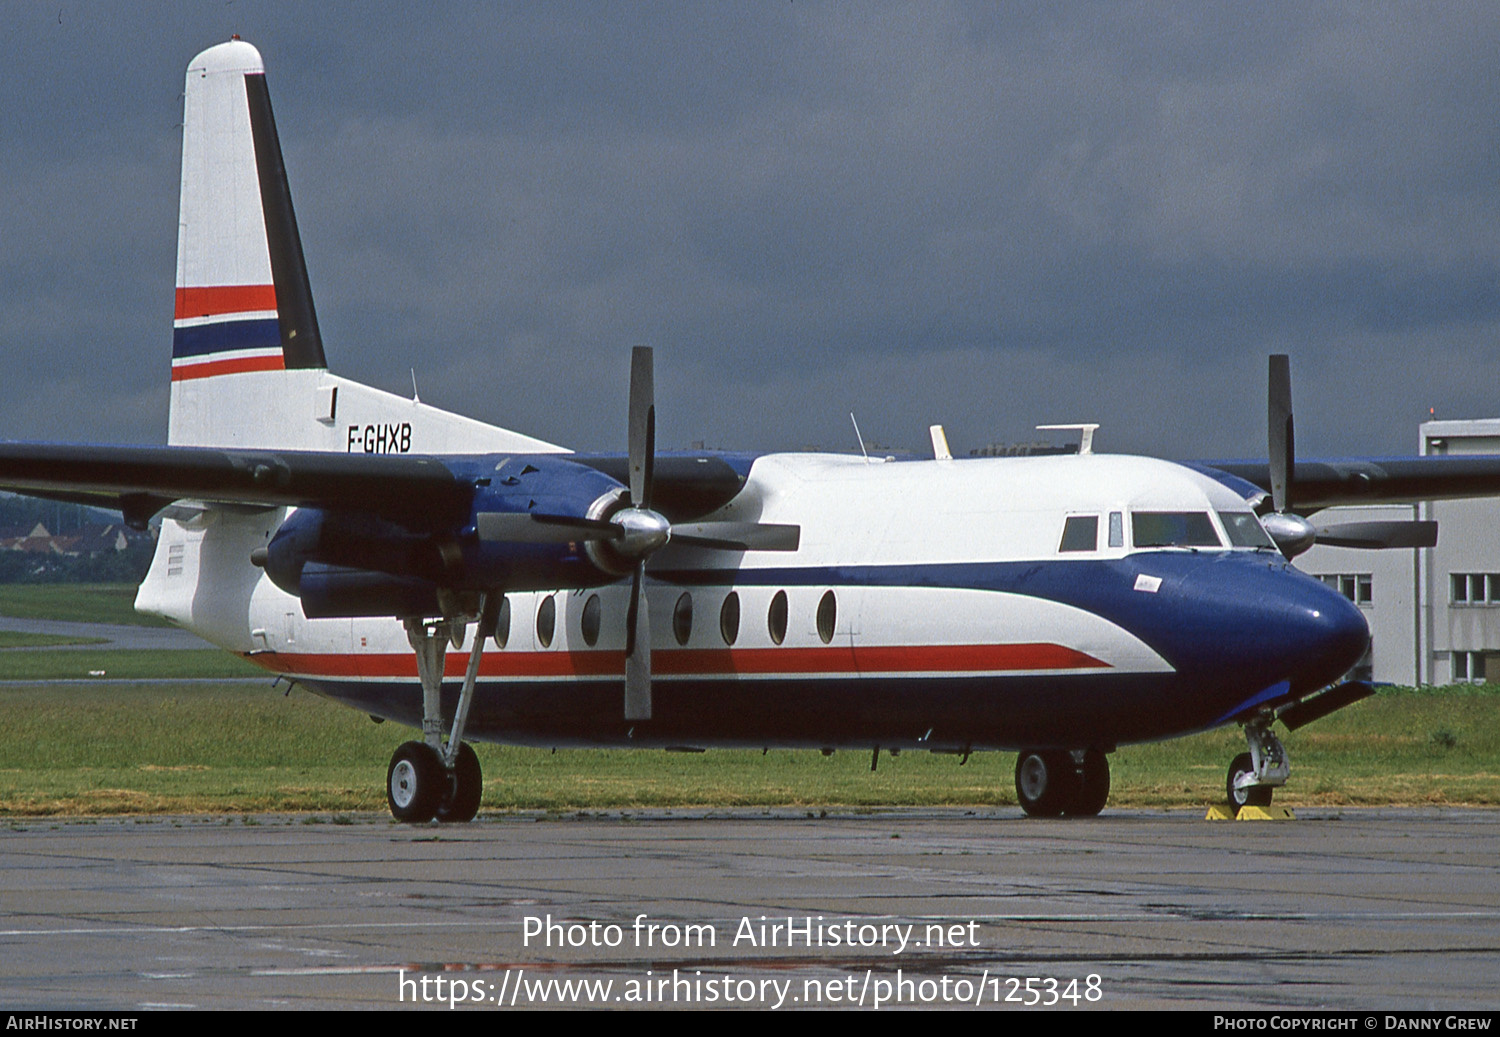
point(988, 215)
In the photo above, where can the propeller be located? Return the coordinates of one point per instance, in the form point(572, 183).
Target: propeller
point(636, 531)
point(1294, 534)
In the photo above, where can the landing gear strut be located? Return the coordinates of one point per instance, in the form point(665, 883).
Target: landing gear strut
point(1253, 776)
point(433, 778)
point(1057, 782)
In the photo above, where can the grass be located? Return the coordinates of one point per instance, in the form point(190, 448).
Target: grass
point(76, 602)
point(165, 748)
point(125, 664)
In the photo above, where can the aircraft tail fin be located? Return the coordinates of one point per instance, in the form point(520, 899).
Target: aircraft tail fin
point(248, 368)
point(243, 299)
point(244, 304)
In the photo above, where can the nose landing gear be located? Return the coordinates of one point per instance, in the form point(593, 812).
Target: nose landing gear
point(1255, 775)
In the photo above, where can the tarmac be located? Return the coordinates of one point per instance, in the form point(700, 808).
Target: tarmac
point(1356, 910)
point(115, 636)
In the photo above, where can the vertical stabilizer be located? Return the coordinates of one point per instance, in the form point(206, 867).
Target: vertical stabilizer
point(243, 300)
point(247, 360)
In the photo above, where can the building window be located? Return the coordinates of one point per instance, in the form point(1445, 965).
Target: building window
point(1474, 588)
point(1474, 667)
point(1357, 587)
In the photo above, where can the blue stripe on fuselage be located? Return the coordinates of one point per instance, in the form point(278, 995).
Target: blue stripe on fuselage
point(1247, 618)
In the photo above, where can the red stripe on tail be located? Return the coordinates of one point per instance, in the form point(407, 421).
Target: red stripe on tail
point(229, 298)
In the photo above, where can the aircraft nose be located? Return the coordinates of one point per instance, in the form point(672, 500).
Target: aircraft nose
point(1324, 633)
point(1265, 623)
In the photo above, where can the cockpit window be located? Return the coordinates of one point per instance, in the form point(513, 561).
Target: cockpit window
point(1080, 533)
point(1173, 529)
point(1244, 530)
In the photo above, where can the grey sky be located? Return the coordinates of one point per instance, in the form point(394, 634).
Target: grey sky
point(991, 216)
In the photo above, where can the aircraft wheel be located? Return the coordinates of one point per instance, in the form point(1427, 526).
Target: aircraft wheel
point(415, 782)
point(1250, 796)
point(1092, 791)
point(1046, 782)
point(464, 789)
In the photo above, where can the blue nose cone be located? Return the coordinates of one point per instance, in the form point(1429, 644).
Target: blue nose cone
point(1323, 633)
point(1257, 622)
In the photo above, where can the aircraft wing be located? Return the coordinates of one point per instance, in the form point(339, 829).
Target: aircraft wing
point(1406, 480)
point(139, 481)
point(418, 492)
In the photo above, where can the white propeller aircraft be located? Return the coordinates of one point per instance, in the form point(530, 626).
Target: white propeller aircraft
point(345, 538)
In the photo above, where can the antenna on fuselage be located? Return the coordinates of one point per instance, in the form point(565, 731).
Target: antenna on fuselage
point(940, 451)
point(1085, 441)
point(859, 437)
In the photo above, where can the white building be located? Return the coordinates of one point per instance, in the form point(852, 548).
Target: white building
point(1434, 613)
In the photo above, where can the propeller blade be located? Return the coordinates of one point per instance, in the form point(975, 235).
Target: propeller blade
point(638, 650)
point(1282, 442)
point(526, 527)
point(1377, 535)
point(642, 426)
point(738, 536)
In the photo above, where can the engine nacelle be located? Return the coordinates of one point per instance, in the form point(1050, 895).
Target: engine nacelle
point(354, 564)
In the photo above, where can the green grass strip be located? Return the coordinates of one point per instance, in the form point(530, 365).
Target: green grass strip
point(230, 748)
point(126, 664)
point(75, 602)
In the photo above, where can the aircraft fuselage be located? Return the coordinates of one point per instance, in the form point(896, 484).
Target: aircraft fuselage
point(954, 605)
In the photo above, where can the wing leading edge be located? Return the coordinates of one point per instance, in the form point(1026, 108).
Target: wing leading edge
point(1406, 480)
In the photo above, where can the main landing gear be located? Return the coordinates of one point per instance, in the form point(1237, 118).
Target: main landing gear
point(1058, 782)
point(1253, 776)
point(434, 778)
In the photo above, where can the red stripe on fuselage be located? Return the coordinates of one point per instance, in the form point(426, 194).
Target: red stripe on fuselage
point(234, 365)
point(229, 298)
point(706, 662)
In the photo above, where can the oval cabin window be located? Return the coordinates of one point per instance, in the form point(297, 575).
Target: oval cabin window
point(546, 621)
point(589, 622)
point(682, 619)
point(502, 623)
point(776, 617)
point(729, 618)
point(828, 610)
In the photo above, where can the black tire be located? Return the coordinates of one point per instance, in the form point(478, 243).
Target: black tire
point(1093, 786)
point(1046, 782)
point(415, 783)
point(1252, 796)
point(464, 788)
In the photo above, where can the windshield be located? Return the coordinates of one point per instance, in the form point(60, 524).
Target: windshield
point(1244, 529)
point(1173, 529)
